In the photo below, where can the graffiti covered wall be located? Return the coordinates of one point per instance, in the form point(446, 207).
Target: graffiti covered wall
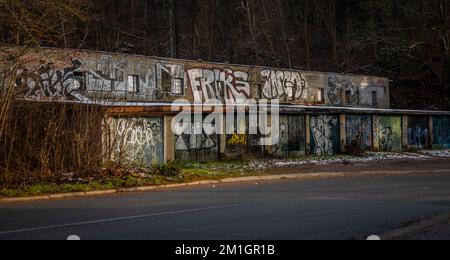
point(84, 76)
point(441, 132)
point(91, 76)
point(357, 91)
point(225, 85)
point(418, 132)
point(359, 130)
point(284, 85)
point(292, 136)
point(138, 141)
point(325, 134)
point(237, 143)
point(196, 148)
point(388, 130)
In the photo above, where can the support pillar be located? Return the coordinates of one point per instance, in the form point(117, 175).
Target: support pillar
point(169, 140)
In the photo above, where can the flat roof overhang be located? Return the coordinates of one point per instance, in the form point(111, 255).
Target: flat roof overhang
point(125, 107)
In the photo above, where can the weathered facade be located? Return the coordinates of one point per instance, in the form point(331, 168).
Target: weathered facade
point(55, 75)
point(321, 113)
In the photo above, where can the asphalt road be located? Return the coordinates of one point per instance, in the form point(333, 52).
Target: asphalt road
point(340, 208)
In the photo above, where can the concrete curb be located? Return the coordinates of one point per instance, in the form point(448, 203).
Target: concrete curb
point(300, 176)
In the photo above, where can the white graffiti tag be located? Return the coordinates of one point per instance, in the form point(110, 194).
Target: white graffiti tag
point(216, 84)
point(321, 127)
point(138, 140)
point(279, 84)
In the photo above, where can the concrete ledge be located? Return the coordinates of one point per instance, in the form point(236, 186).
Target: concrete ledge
point(67, 195)
point(300, 176)
point(24, 199)
point(100, 192)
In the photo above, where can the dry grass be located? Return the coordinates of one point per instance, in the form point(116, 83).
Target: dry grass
point(41, 141)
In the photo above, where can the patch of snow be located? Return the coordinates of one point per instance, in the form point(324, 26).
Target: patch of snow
point(371, 156)
point(437, 153)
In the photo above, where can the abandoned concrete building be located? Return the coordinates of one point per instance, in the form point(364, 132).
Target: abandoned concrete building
point(320, 113)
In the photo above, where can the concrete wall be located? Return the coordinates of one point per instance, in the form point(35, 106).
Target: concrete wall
point(56, 75)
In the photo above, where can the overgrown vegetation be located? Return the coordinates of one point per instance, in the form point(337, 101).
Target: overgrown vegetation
point(118, 177)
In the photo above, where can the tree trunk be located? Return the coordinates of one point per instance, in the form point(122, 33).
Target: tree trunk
point(284, 33)
point(333, 32)
point(173, 29)
point(306, 35)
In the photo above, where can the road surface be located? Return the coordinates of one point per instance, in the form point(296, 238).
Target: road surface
point(339, 208)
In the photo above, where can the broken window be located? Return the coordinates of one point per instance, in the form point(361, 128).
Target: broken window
point(133, 84)
point(178, 87)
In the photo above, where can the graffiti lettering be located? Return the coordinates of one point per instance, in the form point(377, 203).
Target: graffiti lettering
point(287, 84)
point(137, 140)
point(418, 137)
point(218, 84)
point(49, 83)
point(110, 78)
point(193, 142)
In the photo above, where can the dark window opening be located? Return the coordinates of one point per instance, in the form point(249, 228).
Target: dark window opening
point(133, 84)
point(348, 97)
point(166, 81)
point(375, 99)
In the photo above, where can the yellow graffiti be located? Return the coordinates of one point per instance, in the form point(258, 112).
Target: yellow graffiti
point(237, 140)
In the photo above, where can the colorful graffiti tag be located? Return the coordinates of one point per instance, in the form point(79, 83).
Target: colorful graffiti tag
point(237, 143)
point(137, 141)
point(325, 134)
point(389, 131)
point(418, 132)
point(358, 130)
point(441, 132)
